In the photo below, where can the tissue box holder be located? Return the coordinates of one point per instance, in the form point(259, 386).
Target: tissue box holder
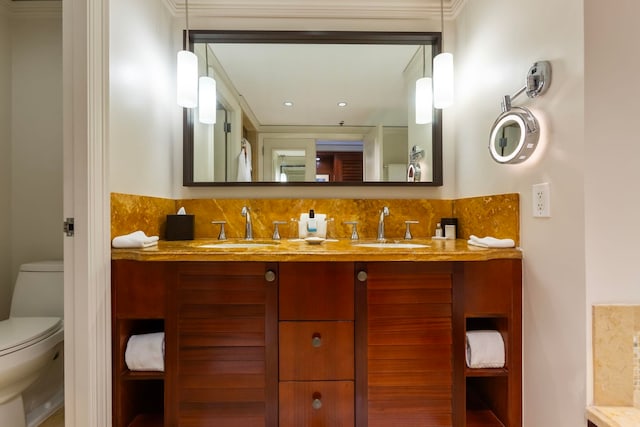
point(179, 227)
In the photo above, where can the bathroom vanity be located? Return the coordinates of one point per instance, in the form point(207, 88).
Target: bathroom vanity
point(334, 335)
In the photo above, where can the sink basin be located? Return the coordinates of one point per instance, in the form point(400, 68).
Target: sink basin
point(239, 245)
point(391, 245)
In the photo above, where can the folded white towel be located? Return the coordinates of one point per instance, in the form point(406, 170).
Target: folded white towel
point(145, 352)
point(137, 239)
point(485, 349)
point(490, 242)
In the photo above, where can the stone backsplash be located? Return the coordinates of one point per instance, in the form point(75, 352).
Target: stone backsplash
point(496, 215)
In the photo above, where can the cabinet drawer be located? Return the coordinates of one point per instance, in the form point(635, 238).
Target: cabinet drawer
point(317, 404)
point(138, 288)
point(316, 291)
point(316, 351)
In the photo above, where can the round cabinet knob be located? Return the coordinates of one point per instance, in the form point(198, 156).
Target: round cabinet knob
point(317, 401)
point(316, 340)
point(270, 276)
point(362, 276)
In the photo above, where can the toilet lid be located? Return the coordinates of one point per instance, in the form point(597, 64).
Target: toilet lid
point(20, 332)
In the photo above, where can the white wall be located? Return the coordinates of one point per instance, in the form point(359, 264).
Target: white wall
point(612, 202)
point(5, 159)
point(143, 109)
point(498, 40)
point(36, 134)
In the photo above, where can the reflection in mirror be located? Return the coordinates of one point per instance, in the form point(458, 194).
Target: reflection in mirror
point(507, 138)
point(514, 136)
point(303, 107)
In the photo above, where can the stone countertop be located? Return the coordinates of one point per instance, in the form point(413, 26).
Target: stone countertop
point(299, 250)
point(614, 416)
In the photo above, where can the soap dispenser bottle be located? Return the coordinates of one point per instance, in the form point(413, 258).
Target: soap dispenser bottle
point(312, 223)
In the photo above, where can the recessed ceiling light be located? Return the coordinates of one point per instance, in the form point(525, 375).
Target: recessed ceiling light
point(342, 104)
point(287, 104)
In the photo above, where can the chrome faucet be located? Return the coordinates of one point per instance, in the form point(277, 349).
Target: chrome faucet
point(384, 212)
point(248, 229)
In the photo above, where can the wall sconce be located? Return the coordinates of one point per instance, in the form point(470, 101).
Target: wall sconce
point(515, 133)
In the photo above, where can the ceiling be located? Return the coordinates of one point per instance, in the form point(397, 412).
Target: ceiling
point(315, 78)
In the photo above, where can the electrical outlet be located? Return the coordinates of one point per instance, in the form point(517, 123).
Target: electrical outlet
point(541, 200)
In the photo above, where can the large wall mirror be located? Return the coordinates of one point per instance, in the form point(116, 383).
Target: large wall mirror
point(328, 108)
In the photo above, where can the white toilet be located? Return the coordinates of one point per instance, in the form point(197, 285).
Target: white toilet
point(31, 346)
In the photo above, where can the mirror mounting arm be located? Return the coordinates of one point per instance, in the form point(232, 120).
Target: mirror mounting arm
point(537, 83)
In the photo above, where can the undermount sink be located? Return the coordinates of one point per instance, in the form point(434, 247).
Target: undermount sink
point(241, 244)
point(391, 245)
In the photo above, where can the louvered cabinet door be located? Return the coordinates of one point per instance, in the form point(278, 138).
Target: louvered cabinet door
point(223, 344)
point(409, 344)
point(348, 167)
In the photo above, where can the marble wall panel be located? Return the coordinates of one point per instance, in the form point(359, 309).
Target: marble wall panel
point(496, 216)
point(615, 358)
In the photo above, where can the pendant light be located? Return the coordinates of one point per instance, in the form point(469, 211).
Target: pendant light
point(187, 72)
point(442, 72)
point(207, 94)
point(424, 96)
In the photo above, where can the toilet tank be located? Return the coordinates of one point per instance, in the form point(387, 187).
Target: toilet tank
point(39, 290)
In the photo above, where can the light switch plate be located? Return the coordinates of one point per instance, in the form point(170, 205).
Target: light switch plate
point(541, 200)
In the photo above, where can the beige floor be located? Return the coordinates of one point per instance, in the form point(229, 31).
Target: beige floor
point(55, 420)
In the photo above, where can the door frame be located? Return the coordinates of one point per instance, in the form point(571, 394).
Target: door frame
point(87, 304)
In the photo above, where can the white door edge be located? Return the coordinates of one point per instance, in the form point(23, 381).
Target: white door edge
point(86, 198)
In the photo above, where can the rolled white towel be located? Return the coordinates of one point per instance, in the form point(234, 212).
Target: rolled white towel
point(485, 349)
point(490, 242)
point(145, 352)
point(137, 239)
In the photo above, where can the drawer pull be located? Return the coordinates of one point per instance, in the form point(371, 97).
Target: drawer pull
point(362, 276)
point(316, 340)
point(269, 276)
point(317, 401)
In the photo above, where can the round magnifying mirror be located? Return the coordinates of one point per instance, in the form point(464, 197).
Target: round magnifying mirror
point(514, 136)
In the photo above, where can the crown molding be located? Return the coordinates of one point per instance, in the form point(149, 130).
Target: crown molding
point(36, 9)
point(333, 9)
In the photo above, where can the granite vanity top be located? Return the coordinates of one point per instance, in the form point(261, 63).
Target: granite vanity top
point(614, 416)
point(299, 250)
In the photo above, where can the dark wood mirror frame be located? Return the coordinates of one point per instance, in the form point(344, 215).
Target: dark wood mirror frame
point(315, 37)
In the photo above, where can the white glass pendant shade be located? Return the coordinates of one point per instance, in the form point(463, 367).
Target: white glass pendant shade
point(424, 101)
point(207, 100)
point(187, 79)
point(443, 80)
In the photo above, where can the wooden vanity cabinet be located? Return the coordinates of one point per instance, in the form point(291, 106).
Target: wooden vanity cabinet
point(222, 345)
point(488, 295)
point(138, 294)
point(306, 344)
point(316, 336)
point(405, 316)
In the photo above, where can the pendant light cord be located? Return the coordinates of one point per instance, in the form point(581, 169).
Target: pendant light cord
point(186, 8)
point(206, 58)
point(442, 24)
